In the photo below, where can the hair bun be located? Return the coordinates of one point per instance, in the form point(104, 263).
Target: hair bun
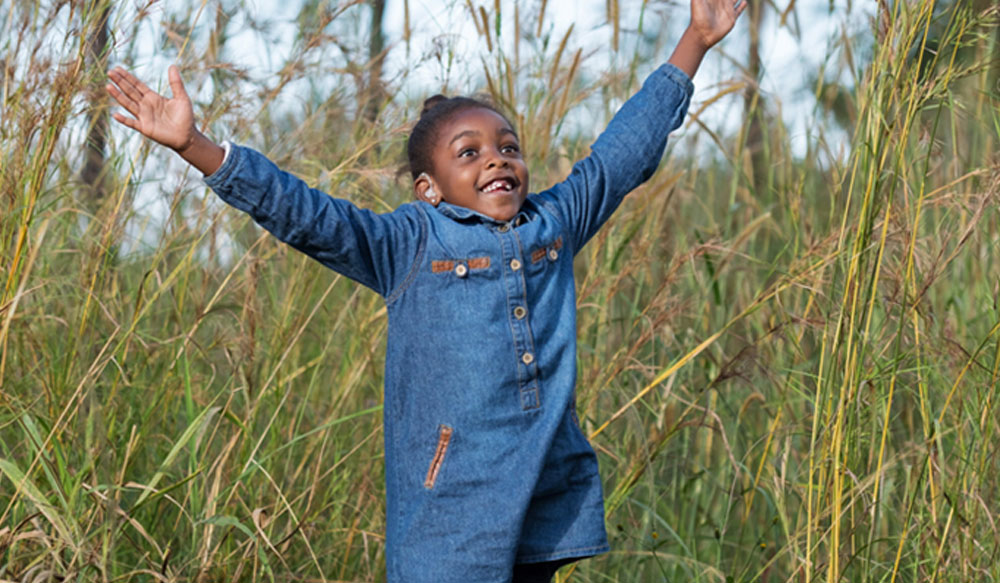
point(432, 102)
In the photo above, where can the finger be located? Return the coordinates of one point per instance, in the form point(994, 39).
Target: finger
point(122, 99)
point(176, 85)
point(141, 87)
point(117, 75)
point(126, 121)
point(740, 7)
point(131, 85)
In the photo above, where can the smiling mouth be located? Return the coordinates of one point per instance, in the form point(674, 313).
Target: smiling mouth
point(499, 186)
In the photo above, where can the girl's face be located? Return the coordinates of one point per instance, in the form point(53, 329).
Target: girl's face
point(478, 164)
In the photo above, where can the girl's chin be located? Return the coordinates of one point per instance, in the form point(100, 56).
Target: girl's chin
point(501, 215)
point(504, 211)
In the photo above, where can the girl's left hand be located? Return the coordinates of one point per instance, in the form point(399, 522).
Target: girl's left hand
point(711, 20)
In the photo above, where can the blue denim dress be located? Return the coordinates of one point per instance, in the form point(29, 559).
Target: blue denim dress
point(486, 465)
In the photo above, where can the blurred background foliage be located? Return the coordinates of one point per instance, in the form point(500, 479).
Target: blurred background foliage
point(789, 346)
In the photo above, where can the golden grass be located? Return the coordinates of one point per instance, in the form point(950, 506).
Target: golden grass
point(791, 384)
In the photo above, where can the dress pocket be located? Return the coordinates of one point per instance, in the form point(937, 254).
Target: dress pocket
point(545, 254)
point(444, 438)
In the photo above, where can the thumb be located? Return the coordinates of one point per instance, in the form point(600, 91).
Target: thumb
point(176, 85)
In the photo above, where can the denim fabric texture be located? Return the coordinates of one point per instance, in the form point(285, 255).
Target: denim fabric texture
point(486, 465)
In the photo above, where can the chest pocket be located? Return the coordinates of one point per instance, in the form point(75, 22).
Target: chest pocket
point(460, 269)
point(543, 257)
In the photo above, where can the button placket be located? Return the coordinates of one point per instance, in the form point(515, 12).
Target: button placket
point(516, 288)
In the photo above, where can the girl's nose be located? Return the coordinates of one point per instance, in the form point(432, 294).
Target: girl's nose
point(495, 159)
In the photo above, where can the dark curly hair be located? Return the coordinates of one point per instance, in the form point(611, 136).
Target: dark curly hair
point(437, 110)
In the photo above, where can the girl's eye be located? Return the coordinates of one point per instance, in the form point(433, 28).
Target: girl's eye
point(466, 152)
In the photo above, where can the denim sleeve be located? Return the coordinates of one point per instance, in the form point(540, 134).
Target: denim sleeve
point(376, 250)
point(624, 156)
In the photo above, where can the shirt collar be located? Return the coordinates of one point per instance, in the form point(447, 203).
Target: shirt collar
point(460, 213)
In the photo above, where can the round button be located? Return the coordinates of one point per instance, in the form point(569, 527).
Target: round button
point(515, 264)
point(504, 228)
point(461, 270)
point(520, 312)
point(553, 254)
point(527, 358)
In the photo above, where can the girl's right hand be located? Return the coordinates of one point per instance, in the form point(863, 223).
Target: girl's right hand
point(167, 121)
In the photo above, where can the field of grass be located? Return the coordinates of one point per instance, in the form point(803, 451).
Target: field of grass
point(789, 361)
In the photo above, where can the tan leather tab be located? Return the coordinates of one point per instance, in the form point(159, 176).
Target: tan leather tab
point(444, 437)
point(440, 266)
point(540, 253)
point(479, 263)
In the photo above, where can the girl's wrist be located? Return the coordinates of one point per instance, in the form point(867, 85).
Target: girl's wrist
point(697, 39)
point(690, 50)
point(202, 153)
point(192, 137)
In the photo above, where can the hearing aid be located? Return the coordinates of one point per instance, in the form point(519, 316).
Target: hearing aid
point(429, 194)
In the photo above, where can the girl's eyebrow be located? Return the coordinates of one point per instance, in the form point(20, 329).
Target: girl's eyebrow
point(466, 133)
point(477, 133)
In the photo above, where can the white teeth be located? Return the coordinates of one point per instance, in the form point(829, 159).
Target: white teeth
point(497, 185)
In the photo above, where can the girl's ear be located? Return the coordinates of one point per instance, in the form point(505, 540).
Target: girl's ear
point(423, 189)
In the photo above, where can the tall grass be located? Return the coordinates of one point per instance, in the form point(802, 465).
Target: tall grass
point(791, 378)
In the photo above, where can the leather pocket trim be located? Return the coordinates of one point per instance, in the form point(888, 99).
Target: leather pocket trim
point(444, 438)
point(479, 263)
point(442, 266)
point(540, 253)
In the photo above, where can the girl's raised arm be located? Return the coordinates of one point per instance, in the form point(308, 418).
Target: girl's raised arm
point(631, 147)
point(711, 21)
point(169, 122)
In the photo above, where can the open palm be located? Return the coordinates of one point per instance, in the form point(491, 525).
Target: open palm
point(713, 19)
point(167, 121)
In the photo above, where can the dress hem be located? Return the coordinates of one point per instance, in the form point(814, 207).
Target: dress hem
point(574, 553)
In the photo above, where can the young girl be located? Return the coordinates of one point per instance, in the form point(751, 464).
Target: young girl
point(488, 476)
